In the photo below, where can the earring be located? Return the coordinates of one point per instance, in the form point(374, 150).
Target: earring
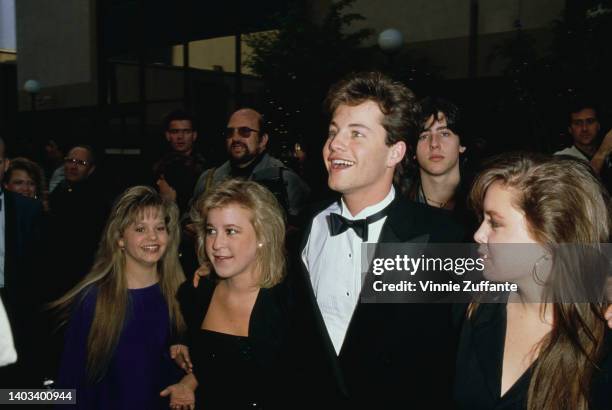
point(534, 271)
point(259, 245)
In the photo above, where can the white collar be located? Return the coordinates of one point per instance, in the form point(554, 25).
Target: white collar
point(369, 210)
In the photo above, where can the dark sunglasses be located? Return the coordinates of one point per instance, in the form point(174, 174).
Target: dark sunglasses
point(244, 132)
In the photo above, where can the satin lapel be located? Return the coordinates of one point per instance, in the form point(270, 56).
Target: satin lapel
point(399, 227)
point(321, 329)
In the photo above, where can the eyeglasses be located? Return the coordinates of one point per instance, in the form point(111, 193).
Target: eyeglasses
point(244, 132)
point(185, 131)
point(75, 161)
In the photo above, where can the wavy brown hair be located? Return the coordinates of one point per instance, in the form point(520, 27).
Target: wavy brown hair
point(398, 104)
point(109, 277)
point(267, 219)
point(31, 168)
point(563, 203)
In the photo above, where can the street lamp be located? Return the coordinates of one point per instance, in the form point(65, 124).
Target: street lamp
point(390, 42)
point(32, 87)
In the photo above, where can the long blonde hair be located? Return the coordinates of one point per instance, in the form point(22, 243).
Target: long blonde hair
point(266, 217)
point(563, 203)
point(109, 277)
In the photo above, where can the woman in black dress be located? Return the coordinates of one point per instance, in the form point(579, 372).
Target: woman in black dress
point(548, 347)
point(237, 316)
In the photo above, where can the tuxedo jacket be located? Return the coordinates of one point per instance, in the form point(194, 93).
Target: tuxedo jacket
point(393, 355)
point(22, 290)
point(22, 235)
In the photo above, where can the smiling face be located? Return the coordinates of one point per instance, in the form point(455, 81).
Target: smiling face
point(359, 162)
point(21, 183)
point(438, 147)
point(231, 242)
point(144, 241)
point(508, 247)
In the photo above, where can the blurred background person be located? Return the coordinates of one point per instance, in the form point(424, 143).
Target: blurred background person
point(53, 163)
point(181, 134)
point(78, 208)
point(246, 142)
point(26, 177)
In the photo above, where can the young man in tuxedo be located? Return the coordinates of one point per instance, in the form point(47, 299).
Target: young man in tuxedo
point(372, 354)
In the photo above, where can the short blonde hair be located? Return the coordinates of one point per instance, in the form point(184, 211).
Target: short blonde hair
point(267, 219)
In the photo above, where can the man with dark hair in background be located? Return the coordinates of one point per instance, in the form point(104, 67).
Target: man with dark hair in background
point(583, 127)
point(181, 133)
point(439, 175)
point(20, 246)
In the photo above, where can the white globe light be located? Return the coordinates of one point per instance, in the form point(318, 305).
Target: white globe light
point(32, 87)
point(390, 40)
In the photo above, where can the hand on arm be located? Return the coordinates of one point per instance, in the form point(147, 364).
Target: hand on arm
point(202, 271)
point(180, 355)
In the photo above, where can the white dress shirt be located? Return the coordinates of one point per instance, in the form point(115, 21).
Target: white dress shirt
point(8, 354)
point(334, 264)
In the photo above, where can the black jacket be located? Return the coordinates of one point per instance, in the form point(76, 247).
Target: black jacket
point(394, 355)
point(22, 292)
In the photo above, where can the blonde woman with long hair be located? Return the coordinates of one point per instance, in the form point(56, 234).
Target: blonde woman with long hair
point(123, 314)
point(548, 348)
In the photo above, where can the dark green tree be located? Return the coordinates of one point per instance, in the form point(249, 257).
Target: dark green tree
point(299, 61)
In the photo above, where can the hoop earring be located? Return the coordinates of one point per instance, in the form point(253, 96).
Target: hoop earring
point(534, 271)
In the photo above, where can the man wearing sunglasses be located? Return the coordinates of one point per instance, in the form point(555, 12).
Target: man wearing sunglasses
point(246, 140)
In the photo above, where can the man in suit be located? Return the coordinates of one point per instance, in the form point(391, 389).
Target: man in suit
point(368, 354)
point(20, 222)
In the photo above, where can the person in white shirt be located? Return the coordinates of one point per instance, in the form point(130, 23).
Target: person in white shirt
point(584, 127)
point(366, 352)
point(8, 355)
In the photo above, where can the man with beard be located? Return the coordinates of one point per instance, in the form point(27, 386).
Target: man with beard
point(246, 142)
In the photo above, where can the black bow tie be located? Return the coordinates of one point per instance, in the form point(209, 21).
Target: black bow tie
point(339, 224)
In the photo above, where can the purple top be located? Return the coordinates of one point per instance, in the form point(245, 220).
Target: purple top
point(140, 367)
